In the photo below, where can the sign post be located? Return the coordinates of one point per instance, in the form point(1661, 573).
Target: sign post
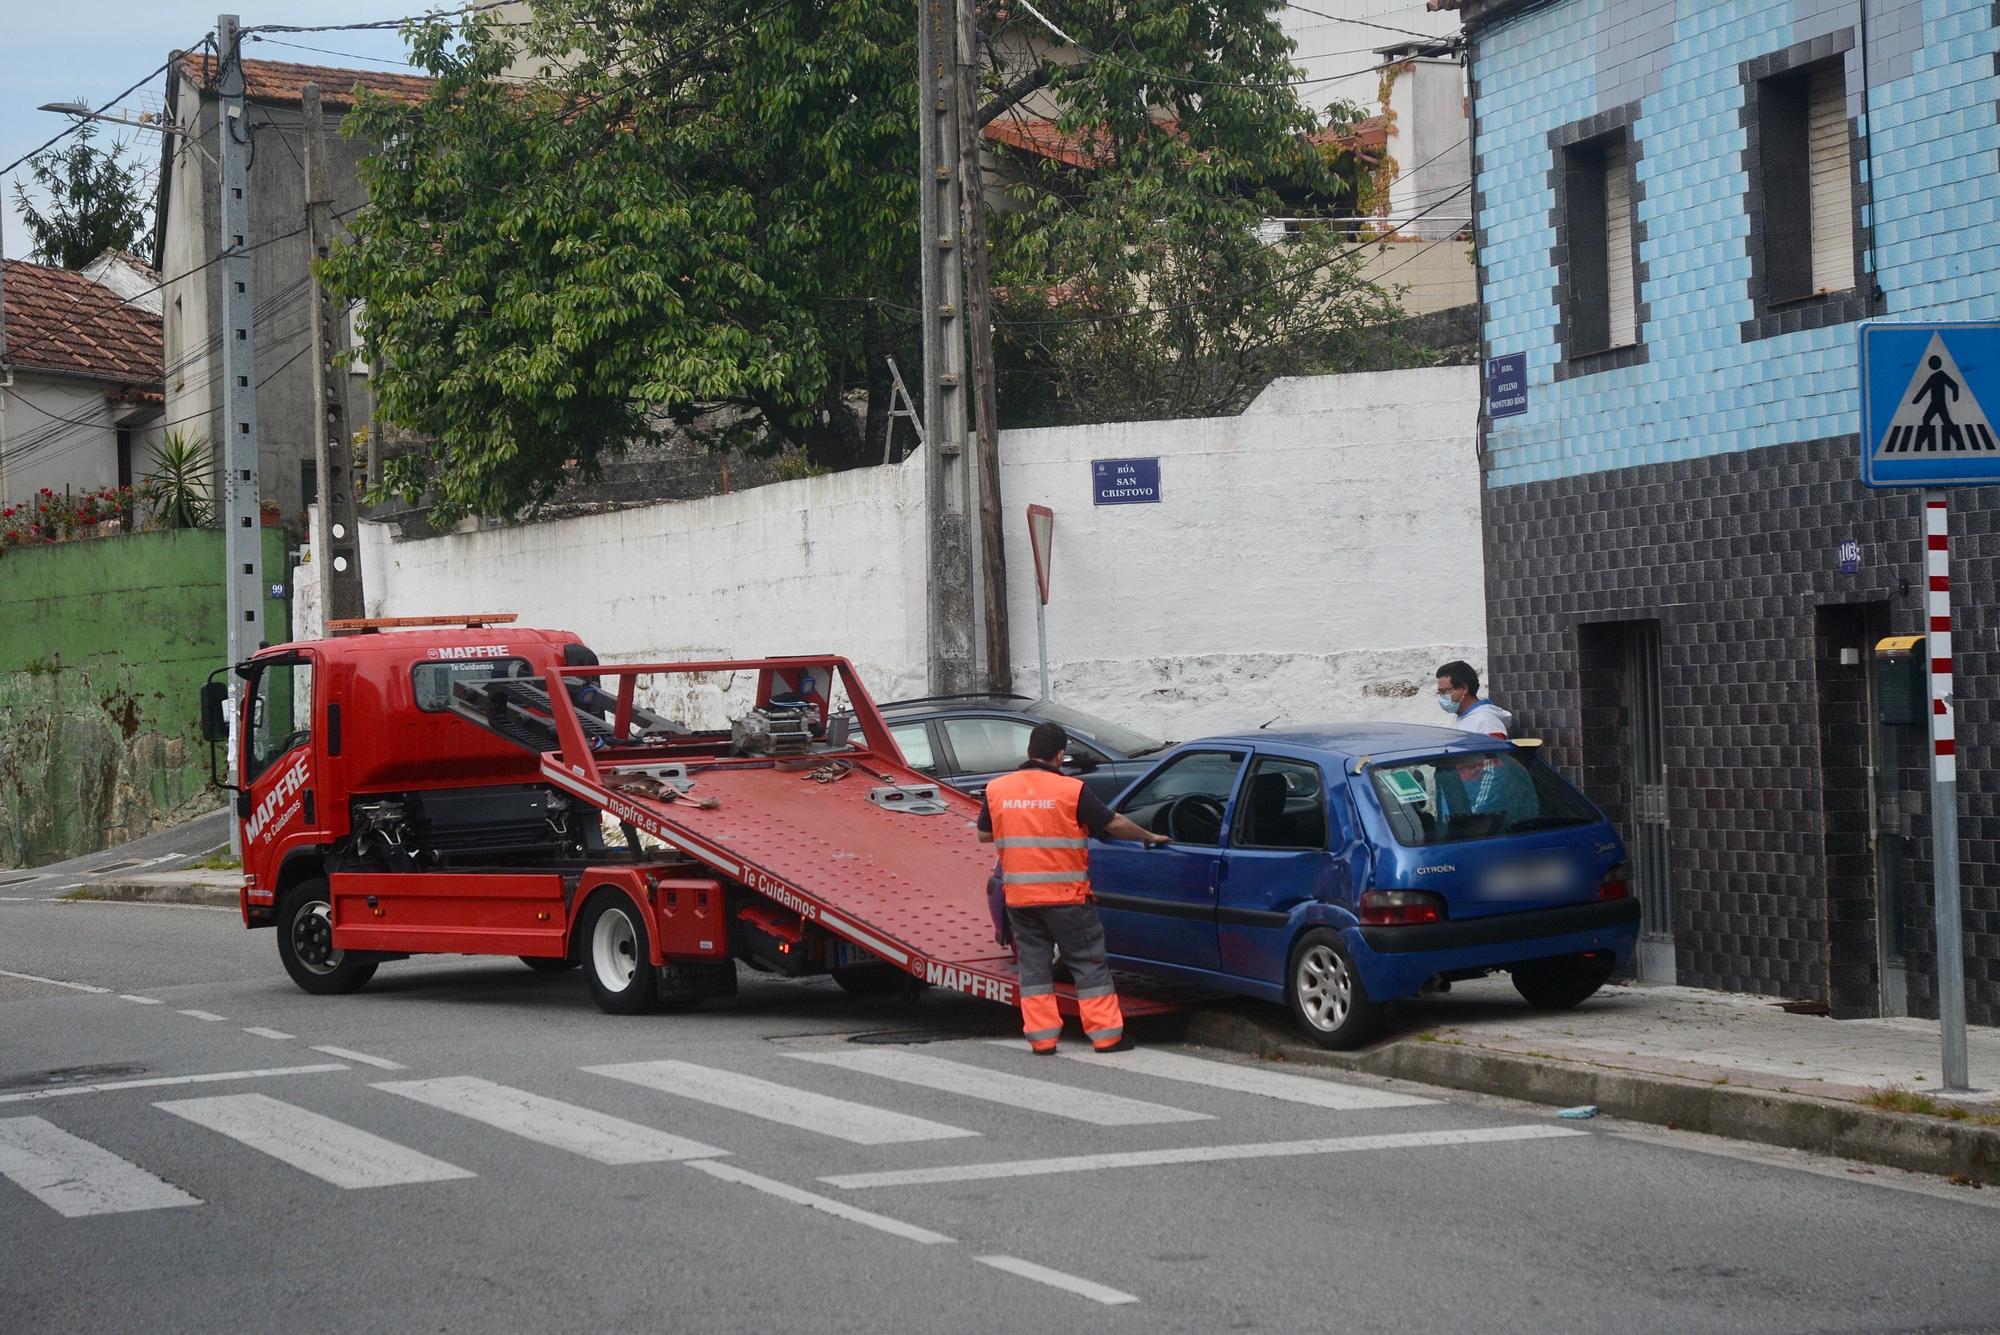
point(1923, 425)
point(1041, 537)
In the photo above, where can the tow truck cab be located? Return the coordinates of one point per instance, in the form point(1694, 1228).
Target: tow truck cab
point(349, 757)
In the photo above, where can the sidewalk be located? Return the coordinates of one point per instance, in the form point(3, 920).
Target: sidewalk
point(217, 889)
point(1714, 1062)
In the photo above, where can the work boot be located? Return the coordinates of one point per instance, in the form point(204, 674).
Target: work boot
point(1122, 1045)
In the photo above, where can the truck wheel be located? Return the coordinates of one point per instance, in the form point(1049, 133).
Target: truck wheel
point(870, 980)
point(615, 953)
point(305, 943)
point(548, 964)
point(1557, 985)
point(1328, 1001)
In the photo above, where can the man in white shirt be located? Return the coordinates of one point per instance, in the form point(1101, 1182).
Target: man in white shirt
point(1458, 695)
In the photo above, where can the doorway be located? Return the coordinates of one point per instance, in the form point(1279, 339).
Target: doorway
point(1625, 758)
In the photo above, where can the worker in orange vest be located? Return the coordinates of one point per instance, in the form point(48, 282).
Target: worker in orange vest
point(1041, 820)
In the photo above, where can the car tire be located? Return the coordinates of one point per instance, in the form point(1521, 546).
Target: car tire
point(1558, 985)
point(616, 956)
point(546, 964)
point(305, 943)
point(1328, 1001)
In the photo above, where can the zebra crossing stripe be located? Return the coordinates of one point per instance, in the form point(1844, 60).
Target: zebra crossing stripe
point(1313, 1091)
point(563, 1126)
point(332, 1151)
point(76, 1178)
point(977, 1082)
point(856, 1122)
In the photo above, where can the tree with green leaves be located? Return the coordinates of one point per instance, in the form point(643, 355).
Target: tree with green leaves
point(703, 219)
point(93, 202)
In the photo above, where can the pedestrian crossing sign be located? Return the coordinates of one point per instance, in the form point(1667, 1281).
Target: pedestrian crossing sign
point(1924, 391)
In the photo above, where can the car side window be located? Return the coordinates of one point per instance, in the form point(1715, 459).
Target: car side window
point(1284, 806)
point(915, 741)
point(986, 745)
point(1186, 798)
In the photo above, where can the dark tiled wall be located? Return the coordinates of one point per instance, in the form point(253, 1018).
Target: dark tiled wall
point(1735, 556)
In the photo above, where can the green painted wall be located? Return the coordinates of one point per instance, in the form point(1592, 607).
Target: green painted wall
point(104, 645)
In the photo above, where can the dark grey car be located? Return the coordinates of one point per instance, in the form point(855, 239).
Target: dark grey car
point(969, 740)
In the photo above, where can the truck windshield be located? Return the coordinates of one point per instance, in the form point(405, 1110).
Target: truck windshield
point(280, 714)
point(1475, 795)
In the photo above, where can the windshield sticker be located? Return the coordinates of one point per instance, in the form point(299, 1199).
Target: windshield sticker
point(1404, 786)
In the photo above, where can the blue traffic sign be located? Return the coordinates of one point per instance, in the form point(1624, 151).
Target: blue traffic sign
point(1125, 481)
point(1925, 389)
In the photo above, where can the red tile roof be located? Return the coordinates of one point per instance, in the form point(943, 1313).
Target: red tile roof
point(61, 321)
point(283, 83)
point(1045, 139)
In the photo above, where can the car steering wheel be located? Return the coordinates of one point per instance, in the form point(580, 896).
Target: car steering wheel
point(1195, 818)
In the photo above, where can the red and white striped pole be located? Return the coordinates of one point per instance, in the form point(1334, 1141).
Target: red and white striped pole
point(1944, 792)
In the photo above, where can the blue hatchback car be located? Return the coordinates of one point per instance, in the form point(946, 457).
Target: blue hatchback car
point(1336, 869)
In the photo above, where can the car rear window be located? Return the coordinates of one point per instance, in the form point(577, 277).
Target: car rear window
point(1474, 795)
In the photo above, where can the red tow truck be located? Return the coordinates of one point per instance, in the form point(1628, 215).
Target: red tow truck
point(463, 785)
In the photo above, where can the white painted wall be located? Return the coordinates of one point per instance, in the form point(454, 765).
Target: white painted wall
point(58, 433)
point(1313, 559)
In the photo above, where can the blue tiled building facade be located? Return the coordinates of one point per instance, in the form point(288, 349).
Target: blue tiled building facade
point(1687, 582)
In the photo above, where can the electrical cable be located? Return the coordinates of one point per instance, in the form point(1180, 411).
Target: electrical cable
point(1361, 23)
point(80, 122)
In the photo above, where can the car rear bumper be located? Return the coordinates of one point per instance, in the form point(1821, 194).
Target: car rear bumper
point(1397, 961)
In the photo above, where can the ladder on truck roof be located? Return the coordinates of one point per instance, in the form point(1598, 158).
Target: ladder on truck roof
point(820, 822)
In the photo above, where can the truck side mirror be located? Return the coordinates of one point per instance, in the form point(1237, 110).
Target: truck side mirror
point(214, 725)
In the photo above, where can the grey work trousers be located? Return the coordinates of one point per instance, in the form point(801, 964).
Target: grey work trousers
point(1080, 933)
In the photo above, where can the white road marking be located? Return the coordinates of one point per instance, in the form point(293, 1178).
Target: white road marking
point(55, 982)
point(262, 1032)
point(839, 1209)
point(1015, 1091)
point(564, 1126)
point(210, 1016)
point(76, 1178)
point(332, 1151)
point(161, 1081)
point(1077, 1163)
point(1313, 1090)
point(1056, 1279)
point(773, 1102)
point(349, 1054)
point(143, 1001)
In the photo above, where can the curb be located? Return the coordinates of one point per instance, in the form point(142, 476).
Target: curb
point(1914, 1142)
point(158, 892)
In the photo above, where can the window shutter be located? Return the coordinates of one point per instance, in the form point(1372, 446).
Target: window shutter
point(1832, 187)
point(1620, 293)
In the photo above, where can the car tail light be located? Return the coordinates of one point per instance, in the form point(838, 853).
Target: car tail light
point(1614, 885)
point(1395, 908)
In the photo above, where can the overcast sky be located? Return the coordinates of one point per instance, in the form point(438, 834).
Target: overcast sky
point(89, 49)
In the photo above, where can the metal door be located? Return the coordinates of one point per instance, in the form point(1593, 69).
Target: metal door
point(1647, 836)
point(1894, 808)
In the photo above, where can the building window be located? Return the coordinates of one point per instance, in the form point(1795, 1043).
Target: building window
point(1800, 153)
point(1600, 279)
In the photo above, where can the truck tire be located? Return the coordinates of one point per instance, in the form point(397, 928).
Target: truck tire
point(615, 956)
point(870, 980)
point(548, 963)
point(305, 943)
point(1327, 999)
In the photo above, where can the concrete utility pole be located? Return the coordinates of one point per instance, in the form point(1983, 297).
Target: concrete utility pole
point(242, 537)
point(947, 482)
point(336, 537)
point(979, 313)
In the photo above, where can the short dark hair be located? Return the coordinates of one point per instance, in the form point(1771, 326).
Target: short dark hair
point(1461, 673)
point(1047, 741)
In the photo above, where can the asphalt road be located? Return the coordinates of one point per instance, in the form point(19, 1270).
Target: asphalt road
point(162, 850)
point(468, 1146)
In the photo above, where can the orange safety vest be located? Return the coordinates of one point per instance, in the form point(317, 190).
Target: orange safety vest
point(1044, 849)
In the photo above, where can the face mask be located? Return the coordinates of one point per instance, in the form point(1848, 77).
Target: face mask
point(1447, 704)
